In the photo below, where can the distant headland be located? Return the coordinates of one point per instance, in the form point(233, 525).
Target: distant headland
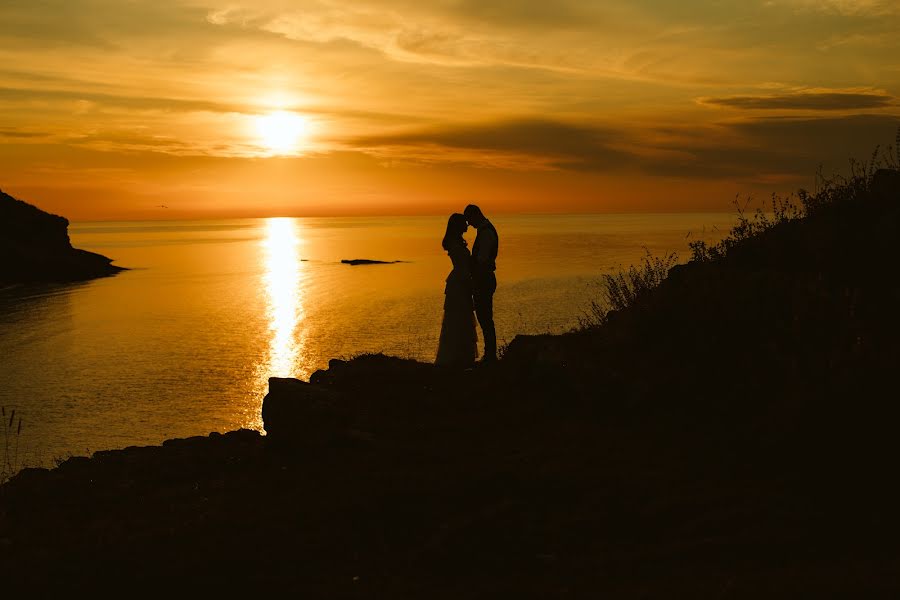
point(35, 247)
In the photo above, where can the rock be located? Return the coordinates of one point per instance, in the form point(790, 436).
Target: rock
point(35, 247)
point(328, 376)
point(30, 476)
point(886, 184)
point(74, 463)
point(529, 349)
point(187, 442)
point(296, 413)
point(248, 436)
point(367, 261)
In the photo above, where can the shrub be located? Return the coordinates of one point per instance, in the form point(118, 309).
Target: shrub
point(627, 287)
point(828, 192)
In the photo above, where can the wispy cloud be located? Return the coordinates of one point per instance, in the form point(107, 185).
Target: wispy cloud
point(135, 103)
point(524, 144)
point(723, 150)
point(845, 7)
point(20, 133)
point(807, 100)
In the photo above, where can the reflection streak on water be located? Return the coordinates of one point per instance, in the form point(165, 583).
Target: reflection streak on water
point(282, 278)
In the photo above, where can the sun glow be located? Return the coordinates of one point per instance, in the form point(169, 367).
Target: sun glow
point(283, 132)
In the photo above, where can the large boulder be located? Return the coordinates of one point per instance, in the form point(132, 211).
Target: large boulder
point(886, 184)
point(35, 246)
point(296, 413)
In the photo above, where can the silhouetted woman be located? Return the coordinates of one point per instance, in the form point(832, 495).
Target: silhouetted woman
point(458, 346)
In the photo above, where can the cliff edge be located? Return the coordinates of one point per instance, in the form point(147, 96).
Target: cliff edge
point(35, 247)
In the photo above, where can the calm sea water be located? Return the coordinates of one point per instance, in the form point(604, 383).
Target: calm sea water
point(184, 342)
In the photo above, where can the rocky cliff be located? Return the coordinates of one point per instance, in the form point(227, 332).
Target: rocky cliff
point(35, 246)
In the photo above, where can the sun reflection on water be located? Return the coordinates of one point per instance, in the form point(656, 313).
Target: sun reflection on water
point(282, 279)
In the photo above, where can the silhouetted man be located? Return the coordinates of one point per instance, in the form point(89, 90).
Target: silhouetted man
point(484, 263)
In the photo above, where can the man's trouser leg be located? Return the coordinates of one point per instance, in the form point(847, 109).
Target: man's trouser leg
point(484, 310)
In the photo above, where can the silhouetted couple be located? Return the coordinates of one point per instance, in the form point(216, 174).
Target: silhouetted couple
point(469, 291)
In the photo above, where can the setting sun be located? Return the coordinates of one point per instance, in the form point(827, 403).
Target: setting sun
point(282, 132)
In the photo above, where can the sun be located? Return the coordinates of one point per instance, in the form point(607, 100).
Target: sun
point(283, 132)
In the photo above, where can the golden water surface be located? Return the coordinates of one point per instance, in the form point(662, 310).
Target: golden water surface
point(184, 342)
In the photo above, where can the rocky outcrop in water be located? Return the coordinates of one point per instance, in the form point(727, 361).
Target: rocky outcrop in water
point(35, 247)
point(367, 261)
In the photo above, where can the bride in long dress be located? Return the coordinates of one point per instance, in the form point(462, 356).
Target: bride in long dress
point(458, 345)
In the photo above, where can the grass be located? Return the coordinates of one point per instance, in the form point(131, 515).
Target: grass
point(12, 431)
point(829, 191)
point(627, 287)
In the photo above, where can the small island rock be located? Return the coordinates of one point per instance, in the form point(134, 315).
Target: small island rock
point(368, 261)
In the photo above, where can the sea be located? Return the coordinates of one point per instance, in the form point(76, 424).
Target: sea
point(183, 342)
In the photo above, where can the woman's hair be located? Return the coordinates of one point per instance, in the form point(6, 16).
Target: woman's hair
point(456, 227)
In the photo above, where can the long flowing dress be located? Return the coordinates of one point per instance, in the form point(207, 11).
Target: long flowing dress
point(458, 345)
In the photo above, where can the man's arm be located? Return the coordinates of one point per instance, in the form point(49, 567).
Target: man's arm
point(487, 248)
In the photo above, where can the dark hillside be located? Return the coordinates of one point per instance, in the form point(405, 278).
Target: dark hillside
point(801, 311)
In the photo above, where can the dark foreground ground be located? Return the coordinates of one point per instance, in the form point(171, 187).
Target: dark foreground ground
point(460, 494)
point(734, 434)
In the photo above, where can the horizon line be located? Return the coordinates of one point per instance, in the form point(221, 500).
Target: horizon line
point(504, 213)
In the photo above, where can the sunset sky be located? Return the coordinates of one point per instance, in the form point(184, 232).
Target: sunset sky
point(118, 108)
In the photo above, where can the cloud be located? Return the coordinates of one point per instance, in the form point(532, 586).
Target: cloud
point(535, 142)
point(102, 24)
point(137, 103)
point(529, 144)
point(130, 142)
point(18, 133)
point(778, 146)
point(412, 36)
point(835, 136)
point(812, 100)
point(852, 8)
point(538, 14)
point(769, 147)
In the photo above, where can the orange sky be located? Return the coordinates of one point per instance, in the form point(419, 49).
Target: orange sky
point(200, 108)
